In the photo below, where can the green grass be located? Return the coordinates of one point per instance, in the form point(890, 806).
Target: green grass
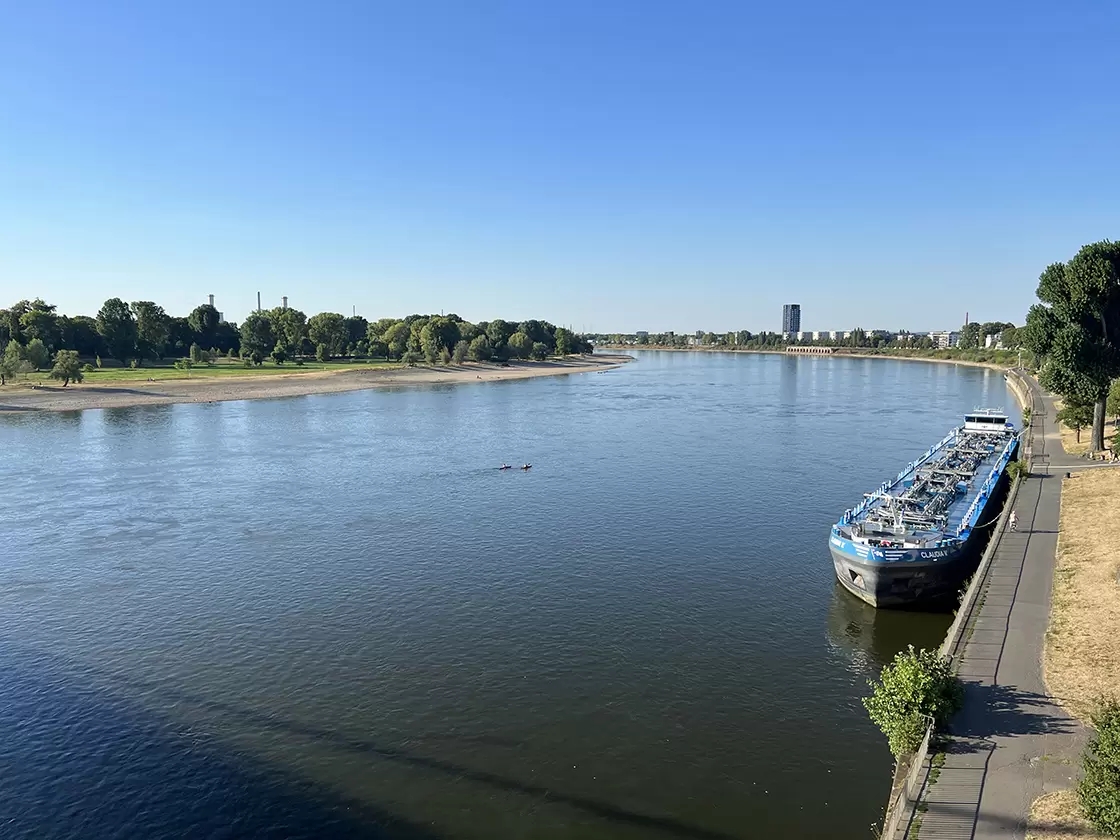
point(220, 369)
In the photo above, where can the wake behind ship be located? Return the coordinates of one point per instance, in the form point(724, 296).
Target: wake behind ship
point(916, 537)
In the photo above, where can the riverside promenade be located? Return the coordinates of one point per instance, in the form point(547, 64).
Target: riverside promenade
point(1010, 743)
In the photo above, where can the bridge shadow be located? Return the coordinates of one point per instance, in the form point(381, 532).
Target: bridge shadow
point(79, 763)
point(664, 824)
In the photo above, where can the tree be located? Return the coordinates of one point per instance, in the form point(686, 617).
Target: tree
point(41, 322)
point(290, 328)
point(153, 327)
point(328, 328)
point(356, 328)
point(459, 354)
point(520, 345)
point(1077, 417)
point(970, 337)
point(1075, 329)
point(196, 353)
point(36, 352)
point(66, 367)
point(226, 337)
point(180, 336)
point(539, 351)
point(564, 341)
point(279, 353)
point(204, 321)
point(917, 686)
point(321, 353)
point(499, 331)
point(185, 364)
point(1009, 338)
point(118, 328)
point(396, 338)
point(257, 335)
point(80, 333)
point(1099, 788)
point(12, 363)
point(480, 349)
point(1112, 405)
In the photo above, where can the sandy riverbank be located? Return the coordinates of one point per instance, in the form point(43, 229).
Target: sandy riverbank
point(20, 398)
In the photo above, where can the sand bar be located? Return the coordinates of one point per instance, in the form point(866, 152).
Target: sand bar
point(21, 397)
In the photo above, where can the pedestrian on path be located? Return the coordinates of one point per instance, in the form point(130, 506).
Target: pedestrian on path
point(1014, 521)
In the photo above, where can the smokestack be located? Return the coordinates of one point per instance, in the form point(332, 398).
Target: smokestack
point(284, 304)
point(211, 300)
point(258, 301)
point(966, 319)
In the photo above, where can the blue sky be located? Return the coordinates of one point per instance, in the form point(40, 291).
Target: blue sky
point(609, 165)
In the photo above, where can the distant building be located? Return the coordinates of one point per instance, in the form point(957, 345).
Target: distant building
point(943, 339)
point(641, 334)
point(791, 318)
point(994, 341)
point(804, 336)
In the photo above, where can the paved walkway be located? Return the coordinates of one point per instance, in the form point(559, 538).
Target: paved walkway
point(1010, 743)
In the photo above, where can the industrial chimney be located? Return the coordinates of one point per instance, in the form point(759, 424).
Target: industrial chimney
point(211, 300)
point(284, 302)
point(258, 301)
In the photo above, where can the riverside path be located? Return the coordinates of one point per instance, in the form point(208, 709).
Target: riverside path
point(1011, 742)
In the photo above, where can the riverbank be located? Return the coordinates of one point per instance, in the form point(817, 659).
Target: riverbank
point(22, 398)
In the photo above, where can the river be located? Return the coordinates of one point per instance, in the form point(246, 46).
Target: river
point(332, 616)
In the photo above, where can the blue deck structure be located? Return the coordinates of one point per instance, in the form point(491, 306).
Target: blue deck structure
point(914, 537)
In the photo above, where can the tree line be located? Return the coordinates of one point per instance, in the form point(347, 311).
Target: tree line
point(32, 333)
point(1074, 330)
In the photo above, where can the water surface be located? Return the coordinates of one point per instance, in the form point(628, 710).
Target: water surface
point(331, 616)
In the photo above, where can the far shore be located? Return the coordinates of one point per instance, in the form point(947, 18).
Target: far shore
point(842, 354)
point(24, 398)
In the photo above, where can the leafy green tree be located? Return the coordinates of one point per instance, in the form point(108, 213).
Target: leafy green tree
point(1075, 330)
point(1077, 417)
point(1112, 405)
point(321, 353)
point(180, 337)
point(970, 337)
point(540, 351)
point(328, 328)
point(377, 329)
point(564, 341)
point(227, 337)
point(118, 328)
point(204, 321)
point(1009, 338)
point(12, 363)
point(396, 338)
point(80, 333)
point(444, 356)
point(185, 364)
point(480, 349)
point(1099, 788)
point(196, 353)
point(153, 326)
point(411, 357)
point(357, 328)
point(257, 335)
point(459, 354)
point(67, 367)
point(36, 352)
point(917, 686)
point(520, 345)
point(41, 322)
point(279, 353)
point(499, 331)
point(290, 328)
point(429, 347)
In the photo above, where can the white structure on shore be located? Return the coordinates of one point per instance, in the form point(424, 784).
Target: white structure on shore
point(943, 339)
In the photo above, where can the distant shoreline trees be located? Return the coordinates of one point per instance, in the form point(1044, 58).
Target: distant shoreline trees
point(32, 333)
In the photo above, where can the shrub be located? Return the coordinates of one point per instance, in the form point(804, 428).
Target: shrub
point(1099, 788)
point(87, 368)
point(917, 686)
point(539, 351)
point(134, 363)
point(459, 354)
point(97, 360)
point(411, 357)
point(1017, 469)
point(321, 354)
point(196, 353)
point(444, 356)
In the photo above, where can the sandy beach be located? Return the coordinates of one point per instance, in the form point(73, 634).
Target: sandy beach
point(21, 398)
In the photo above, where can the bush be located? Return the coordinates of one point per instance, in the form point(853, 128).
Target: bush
point(196, 353)
point(97, 360)
point(444, 356)
point(1017, 469)
point(87, 368)
point(411, 357)
point(459, 354)
point(1099, 788)
point(917, 686)
point(321, 354)
point(134, 363)
point(539, 351)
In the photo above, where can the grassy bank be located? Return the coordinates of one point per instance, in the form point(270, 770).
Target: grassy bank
point(1056, 816)
point(166, 371)
point(1082, 656)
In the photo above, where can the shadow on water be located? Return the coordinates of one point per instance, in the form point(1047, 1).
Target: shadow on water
point(79, 763)
point(875, 636)
point(268, 722)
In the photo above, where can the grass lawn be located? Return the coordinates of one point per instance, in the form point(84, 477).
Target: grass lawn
point(222, 368)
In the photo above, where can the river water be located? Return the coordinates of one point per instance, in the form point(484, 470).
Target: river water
point(331, 616)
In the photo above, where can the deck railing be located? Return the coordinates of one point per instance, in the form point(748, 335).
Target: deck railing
point(852, 513)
